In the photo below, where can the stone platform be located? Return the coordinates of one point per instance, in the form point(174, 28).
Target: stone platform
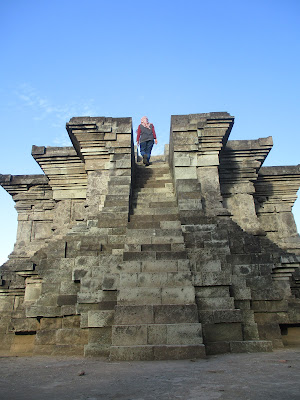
point(197, 254)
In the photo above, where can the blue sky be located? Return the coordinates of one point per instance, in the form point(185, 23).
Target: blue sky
point(131, 58)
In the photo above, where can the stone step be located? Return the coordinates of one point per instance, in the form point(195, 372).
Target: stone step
point(156, 353)
point(116, 209)
point(152, 184)
point(154, 203)
point(247, 346)
point(220, 316)
point(143, 239)
point(156, 296)
point(155, 266)
point(156, 211)
point(156, 314)
point(154, 255)
point(143, 196)
point(116, 203)
point(167, 189)
point(162, 247)
point(166, 178)
point(151, 247)
point(154, 168)
point(141, 222)
point(154, 280)
point(120, 180)
point(215, 303)
point(119, 281)
point(119, 189)
point(157, 334)
point(155, 232)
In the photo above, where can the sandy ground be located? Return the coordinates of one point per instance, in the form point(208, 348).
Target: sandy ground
point(256, 376)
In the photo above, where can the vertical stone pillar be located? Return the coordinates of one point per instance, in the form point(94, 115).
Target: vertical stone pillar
point(275, 193)
point(195, 143)
point(105, 146)
point(34, 203)
point(240, 161)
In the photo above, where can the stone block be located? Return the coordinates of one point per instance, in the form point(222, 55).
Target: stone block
point(33, 290)
point(46, 337)
point(110, 281)
point(71, 336)
point(251, 346)
point(270, 306)
point(6, 303)
point(181, 352)
point(129, 335)
point(269, 331)
point(65, 299)
point(250, 332)
point(240, 293)
point(184, 334)
point(125, 315)
point(213, 291)
point(184, 295)
point(139, 296)
point(100, 318)
point(50, 323)
point(22, 344)
point(219, 316)
point(171, 314)
point(140, 256)
point(214, 348)
point(128, 280)
point(96, 350)
point(131, 353)
point(6, 340)
point(223, 332)
point(215, 303)
point(269, 318)
point(207, 160)
point(71, 321)
point(157, 334)
point(44, 350)
point(24, 325)
point(212, 279)
point(185, 173)
point(185, 159)
point(68, 287)
point(100, 335)
point(43, 311)
point(68, 350)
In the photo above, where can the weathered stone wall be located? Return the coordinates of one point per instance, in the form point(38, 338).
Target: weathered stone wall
point(85, 272)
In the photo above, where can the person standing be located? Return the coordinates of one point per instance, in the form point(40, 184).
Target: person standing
point(146, 137)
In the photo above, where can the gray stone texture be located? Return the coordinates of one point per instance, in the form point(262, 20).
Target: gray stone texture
point(195, 254)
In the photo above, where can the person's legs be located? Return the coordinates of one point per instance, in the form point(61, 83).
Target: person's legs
point(148, 150)
point(145, 150)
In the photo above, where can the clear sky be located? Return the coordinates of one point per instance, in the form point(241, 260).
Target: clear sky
point(66, 58)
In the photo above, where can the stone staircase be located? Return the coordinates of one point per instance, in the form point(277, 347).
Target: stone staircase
point(156, 315)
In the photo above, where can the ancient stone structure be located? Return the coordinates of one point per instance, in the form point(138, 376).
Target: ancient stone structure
point(196, 254)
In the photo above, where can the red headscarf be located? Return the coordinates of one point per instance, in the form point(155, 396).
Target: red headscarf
point(145, 122)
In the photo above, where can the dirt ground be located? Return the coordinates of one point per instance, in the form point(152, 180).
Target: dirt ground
point(253, 376)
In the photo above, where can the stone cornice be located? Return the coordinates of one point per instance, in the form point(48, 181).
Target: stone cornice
point(95, 139)
point(27, 190)
point(240, 161)
point(207, 132)
point(65, 170)
point(278, 185)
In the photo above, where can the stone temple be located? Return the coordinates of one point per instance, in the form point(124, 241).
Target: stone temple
point(196, 254)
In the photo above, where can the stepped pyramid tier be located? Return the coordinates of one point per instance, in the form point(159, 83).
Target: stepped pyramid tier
point(196, 254)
